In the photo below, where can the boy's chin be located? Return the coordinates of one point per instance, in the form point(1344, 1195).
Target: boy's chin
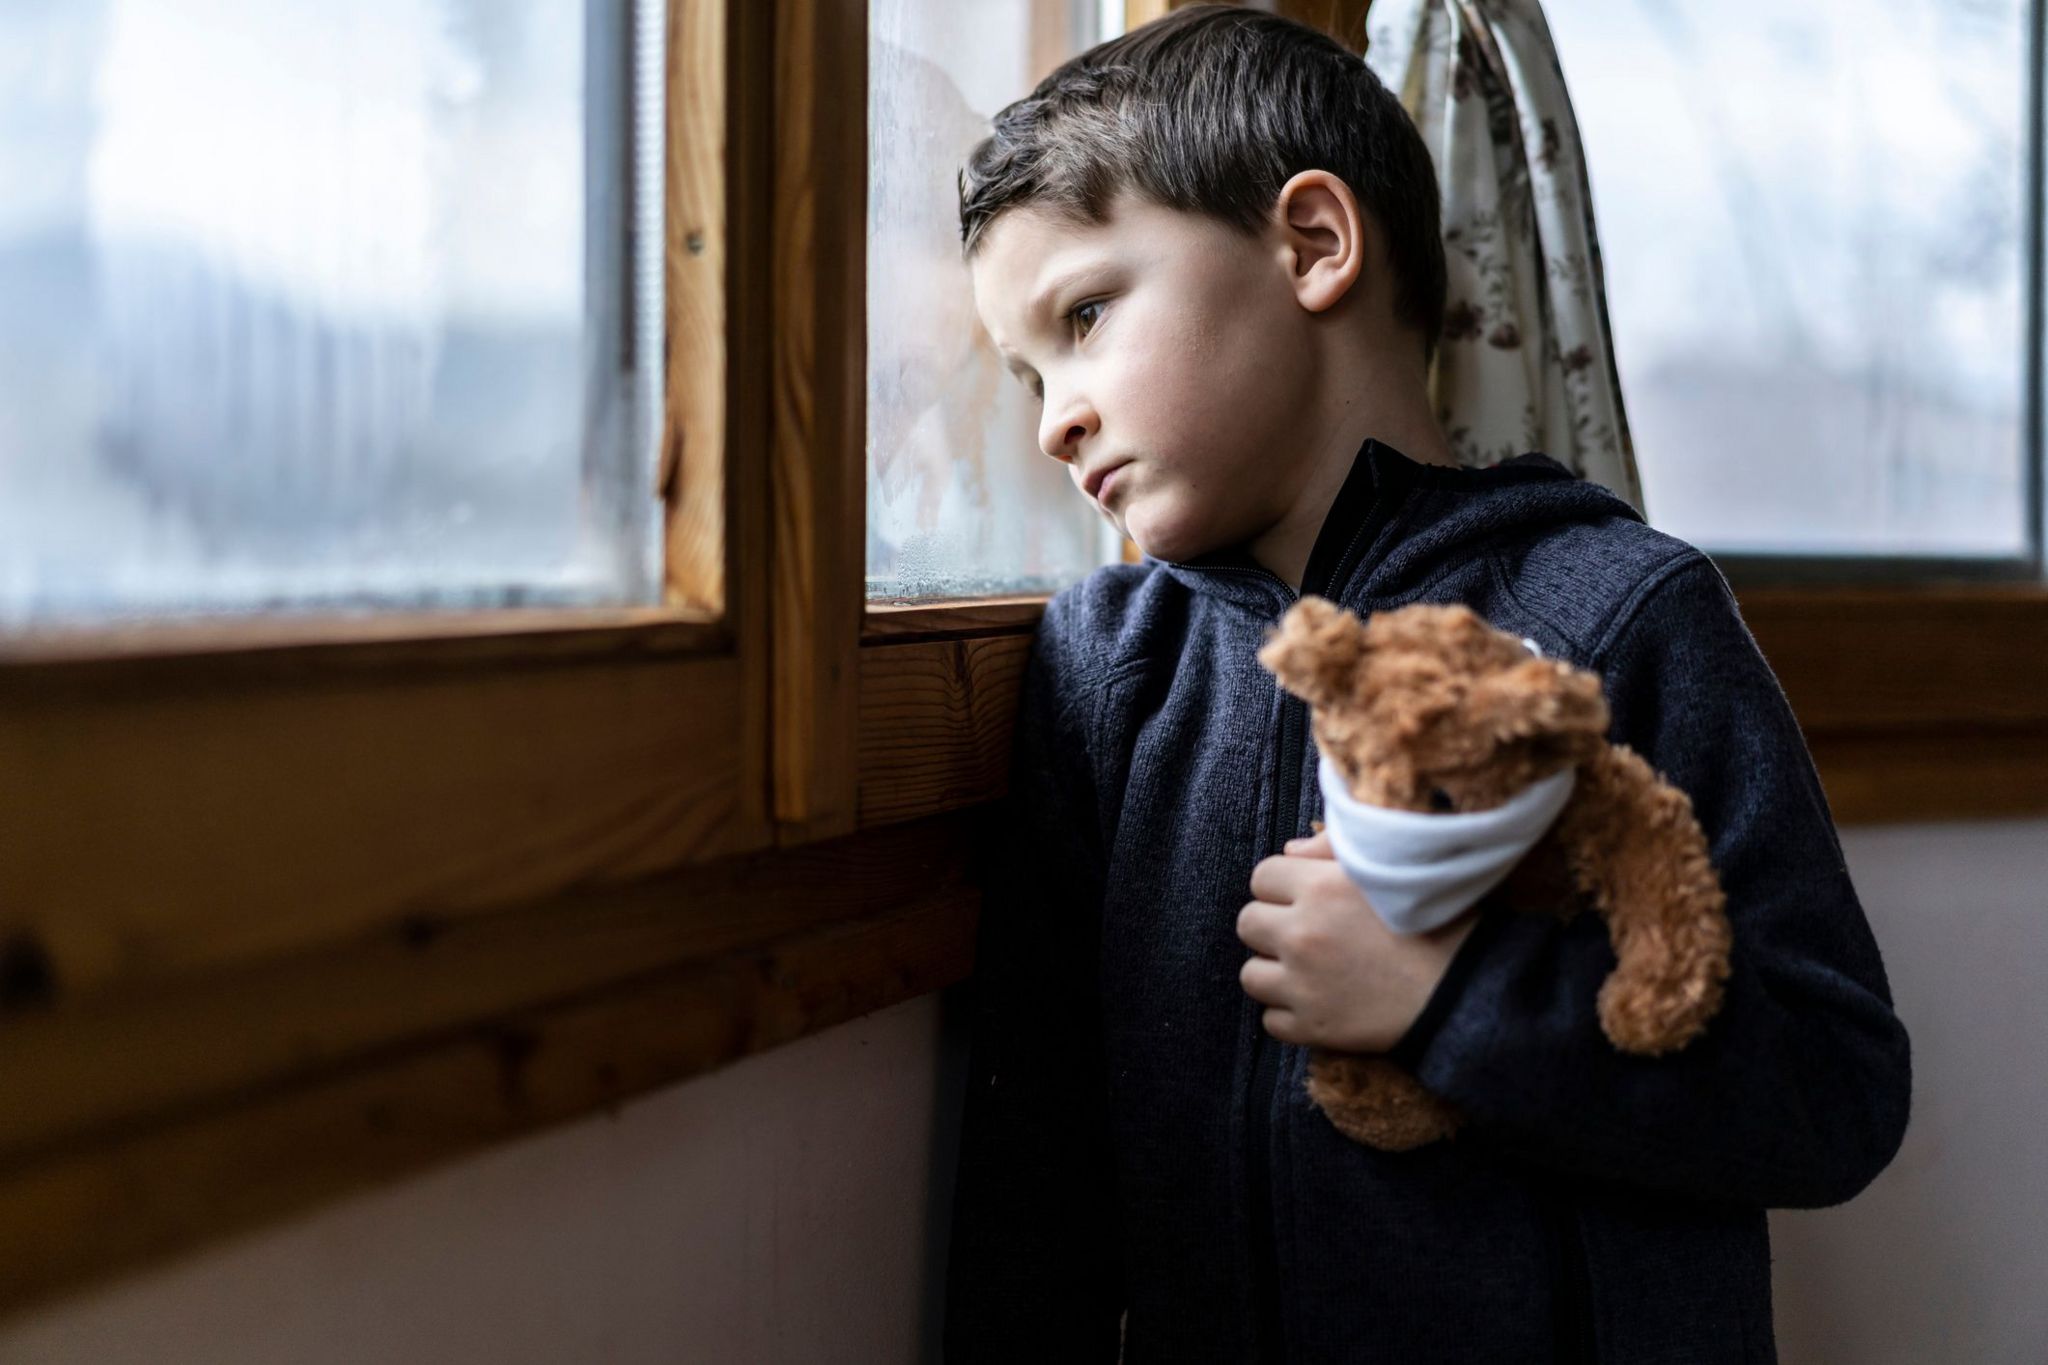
point(1163, 544)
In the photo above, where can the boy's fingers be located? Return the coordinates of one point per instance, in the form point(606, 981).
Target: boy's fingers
point(1256, 929)
point(1283, 1025)
point(1275, 879)
point(1264, 980)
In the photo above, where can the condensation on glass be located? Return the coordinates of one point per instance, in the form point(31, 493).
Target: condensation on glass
point(1812, 223)
point(960, 499)
point(316, 305)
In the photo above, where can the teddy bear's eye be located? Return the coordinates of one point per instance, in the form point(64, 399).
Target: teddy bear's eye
point(1440, 800)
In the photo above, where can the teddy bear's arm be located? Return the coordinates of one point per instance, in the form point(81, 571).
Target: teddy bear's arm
point(1657, 890)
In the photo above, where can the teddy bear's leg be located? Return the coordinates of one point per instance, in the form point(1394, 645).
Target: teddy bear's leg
point(1664, 907)
point(1373, 1101)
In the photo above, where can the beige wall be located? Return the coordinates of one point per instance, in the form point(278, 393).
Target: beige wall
point(775, 1211)
point(786, 1209)
point(1945, 1257)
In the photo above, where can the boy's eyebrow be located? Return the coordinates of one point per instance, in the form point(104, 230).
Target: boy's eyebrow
point(1041, 303)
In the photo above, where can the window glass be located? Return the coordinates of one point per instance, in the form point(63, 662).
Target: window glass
point(1812, 225)
point(315, 304)
point(961, 501)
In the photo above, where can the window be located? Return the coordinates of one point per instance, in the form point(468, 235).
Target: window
point(315, 305)
point(353, 731)
point(961, 502)
point(1817, 223)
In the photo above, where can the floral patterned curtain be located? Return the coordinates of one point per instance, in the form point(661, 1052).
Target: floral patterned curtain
point(1526, 361)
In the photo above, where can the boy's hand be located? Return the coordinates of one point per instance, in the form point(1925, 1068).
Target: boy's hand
point(1331, 972)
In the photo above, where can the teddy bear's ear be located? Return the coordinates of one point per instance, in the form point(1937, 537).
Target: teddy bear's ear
point(1540, 697)
point(1315, 651)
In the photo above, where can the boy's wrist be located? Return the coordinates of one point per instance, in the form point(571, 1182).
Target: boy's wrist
point(1473, 931)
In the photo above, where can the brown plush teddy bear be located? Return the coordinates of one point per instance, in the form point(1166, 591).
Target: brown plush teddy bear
point(1429, 707)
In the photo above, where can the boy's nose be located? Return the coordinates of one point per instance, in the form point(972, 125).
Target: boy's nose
point(1061, 438)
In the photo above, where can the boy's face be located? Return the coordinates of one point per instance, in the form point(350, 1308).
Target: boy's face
point(1186, 359)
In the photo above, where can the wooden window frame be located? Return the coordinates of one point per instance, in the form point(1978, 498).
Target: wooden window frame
point(292, 907)
point(297, 903)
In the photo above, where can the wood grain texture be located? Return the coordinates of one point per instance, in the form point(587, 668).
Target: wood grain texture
point(901, 622)
point(1920, 703)
point(146, 836)
point(693, 441)
point(678, 979)
point(1873, 658)
point(1343, 20)
point(1939, 773)
point(819, 458)
point(286, 645)
point(79, 1068)
point(750, 559)
point(935, 724)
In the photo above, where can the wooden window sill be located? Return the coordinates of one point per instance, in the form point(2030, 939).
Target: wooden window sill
point(1919, 703)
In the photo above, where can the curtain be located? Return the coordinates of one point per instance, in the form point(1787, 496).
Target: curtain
point(1527, 361)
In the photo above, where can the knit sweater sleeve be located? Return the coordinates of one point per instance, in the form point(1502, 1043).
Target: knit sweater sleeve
point(1033, 1272)
point(1797, 1093)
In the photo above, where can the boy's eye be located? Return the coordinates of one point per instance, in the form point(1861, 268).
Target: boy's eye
point(1080, 308)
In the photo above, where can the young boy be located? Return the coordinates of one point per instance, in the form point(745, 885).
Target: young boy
point(1211, 248)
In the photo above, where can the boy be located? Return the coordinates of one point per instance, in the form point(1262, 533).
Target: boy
point(1211, 247)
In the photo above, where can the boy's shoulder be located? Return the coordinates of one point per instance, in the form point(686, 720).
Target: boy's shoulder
point(1089, 625)
point(1589, 579)
point(1585, 579)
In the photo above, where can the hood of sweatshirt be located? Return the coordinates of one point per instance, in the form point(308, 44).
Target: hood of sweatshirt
point(1396, 522)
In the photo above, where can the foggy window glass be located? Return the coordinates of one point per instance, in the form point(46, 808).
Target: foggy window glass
point(306, 304)
point(961, 501)
point(1812, 227)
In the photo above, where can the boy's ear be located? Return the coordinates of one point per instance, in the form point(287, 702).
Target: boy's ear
point(1325, 236)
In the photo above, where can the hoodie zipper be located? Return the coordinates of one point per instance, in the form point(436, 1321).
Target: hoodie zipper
point(1269, 1325)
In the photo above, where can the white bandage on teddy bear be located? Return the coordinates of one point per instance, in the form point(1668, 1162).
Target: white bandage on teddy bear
point(1421, 871)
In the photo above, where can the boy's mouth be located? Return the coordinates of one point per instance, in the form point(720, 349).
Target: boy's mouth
point(1091, 483)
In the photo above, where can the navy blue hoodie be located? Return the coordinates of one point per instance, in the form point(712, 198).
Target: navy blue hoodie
point(1133, 1142)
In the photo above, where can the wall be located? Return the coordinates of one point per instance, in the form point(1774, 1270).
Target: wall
point(774, 1211)
point(790, 1208)
point(1943, 1258)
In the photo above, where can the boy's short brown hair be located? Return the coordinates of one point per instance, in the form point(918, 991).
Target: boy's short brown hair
point(1211, 110)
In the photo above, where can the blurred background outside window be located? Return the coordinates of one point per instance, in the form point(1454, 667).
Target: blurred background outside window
point(327, 305)
point(1815, 237)
point(317, 306)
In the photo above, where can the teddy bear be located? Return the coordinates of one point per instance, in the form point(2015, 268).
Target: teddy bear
point(1428, 708)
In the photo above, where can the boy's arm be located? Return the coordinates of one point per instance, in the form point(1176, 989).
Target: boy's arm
point(1796, 1096)
point(1033, 1272)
